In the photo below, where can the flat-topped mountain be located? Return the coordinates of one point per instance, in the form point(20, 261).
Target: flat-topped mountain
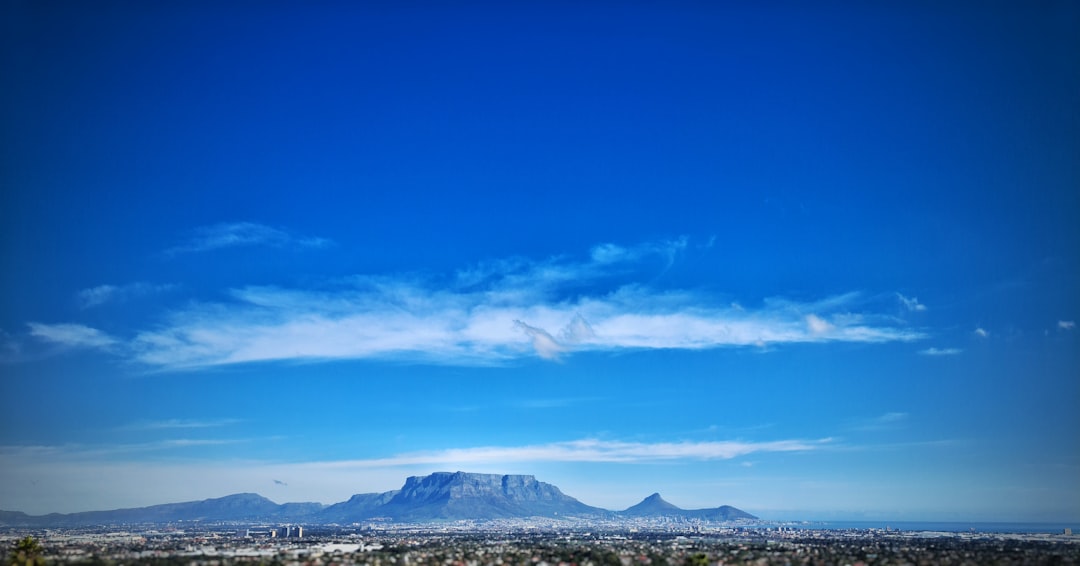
point(481, 496)
point(440, 496)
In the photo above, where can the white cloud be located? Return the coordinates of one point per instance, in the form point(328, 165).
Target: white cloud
point(588, 450)
point(544, 344)
point(940, 351)
point(891, 418)
point(71, 335)
point(816, 325)
point(182, 424)
point(981, 332)
point(95, 296)
point(235, 234)
point(470, 327)
point(887, 421)
point(580, 450)
point(911, 303)
point(579, 330)
point(1066, 324)
point(612, 253)
point(608, 253)
point(499, 311)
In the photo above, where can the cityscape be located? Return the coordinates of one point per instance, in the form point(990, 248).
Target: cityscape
point(542, 542)
point(491, 520)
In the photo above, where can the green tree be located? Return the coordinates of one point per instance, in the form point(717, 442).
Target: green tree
point(26, 552)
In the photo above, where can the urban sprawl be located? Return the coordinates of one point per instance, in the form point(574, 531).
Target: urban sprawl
point(534, 542)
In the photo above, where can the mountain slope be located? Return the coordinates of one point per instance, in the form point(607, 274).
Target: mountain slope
point(238, 507)
point(358, 507)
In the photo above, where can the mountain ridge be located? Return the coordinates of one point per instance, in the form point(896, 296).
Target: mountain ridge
point(440, 496)
point(655, 506)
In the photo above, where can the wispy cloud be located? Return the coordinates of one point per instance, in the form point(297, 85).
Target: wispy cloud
point(612, 253)
point(816, 325)
point(887, 421)
point(1066, 324)
point(181, 424)
point(76, 452)
point(95, 296)
point(554, 403)
point(911, 303)
point(544, 343)
point(181, 443)
point(236, 234)
point(588, 450)
point(474, 327)
point(940, 351)
point(10, 347)
point(71, 335)
point(580, 450)
point(891, 418)
point(498, 311)
point(99, 295)
point(982, 332)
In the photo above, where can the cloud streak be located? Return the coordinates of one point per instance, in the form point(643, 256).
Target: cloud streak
point(407, 320)
point(86, 452)
point(181, 424)
point(239, 234)
point(490, 314)
point(72, 335)
point(911, 303)
point(580, 450)
point(588, 450)
point(940, 351)
point(102, 294)
point(887, 421)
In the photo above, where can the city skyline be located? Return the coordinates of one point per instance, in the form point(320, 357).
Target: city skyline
point(808, 262)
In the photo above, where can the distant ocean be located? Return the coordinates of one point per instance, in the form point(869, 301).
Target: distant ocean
point(939, 526)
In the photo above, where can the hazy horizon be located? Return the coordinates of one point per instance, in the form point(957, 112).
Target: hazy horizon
point(766, 516)
point(790, 258)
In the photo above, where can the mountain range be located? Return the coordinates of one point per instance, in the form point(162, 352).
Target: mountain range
point(441, 496)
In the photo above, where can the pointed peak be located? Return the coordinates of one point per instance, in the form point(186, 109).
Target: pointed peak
point(652, 505)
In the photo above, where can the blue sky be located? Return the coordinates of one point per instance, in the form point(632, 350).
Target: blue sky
point(811, 261)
